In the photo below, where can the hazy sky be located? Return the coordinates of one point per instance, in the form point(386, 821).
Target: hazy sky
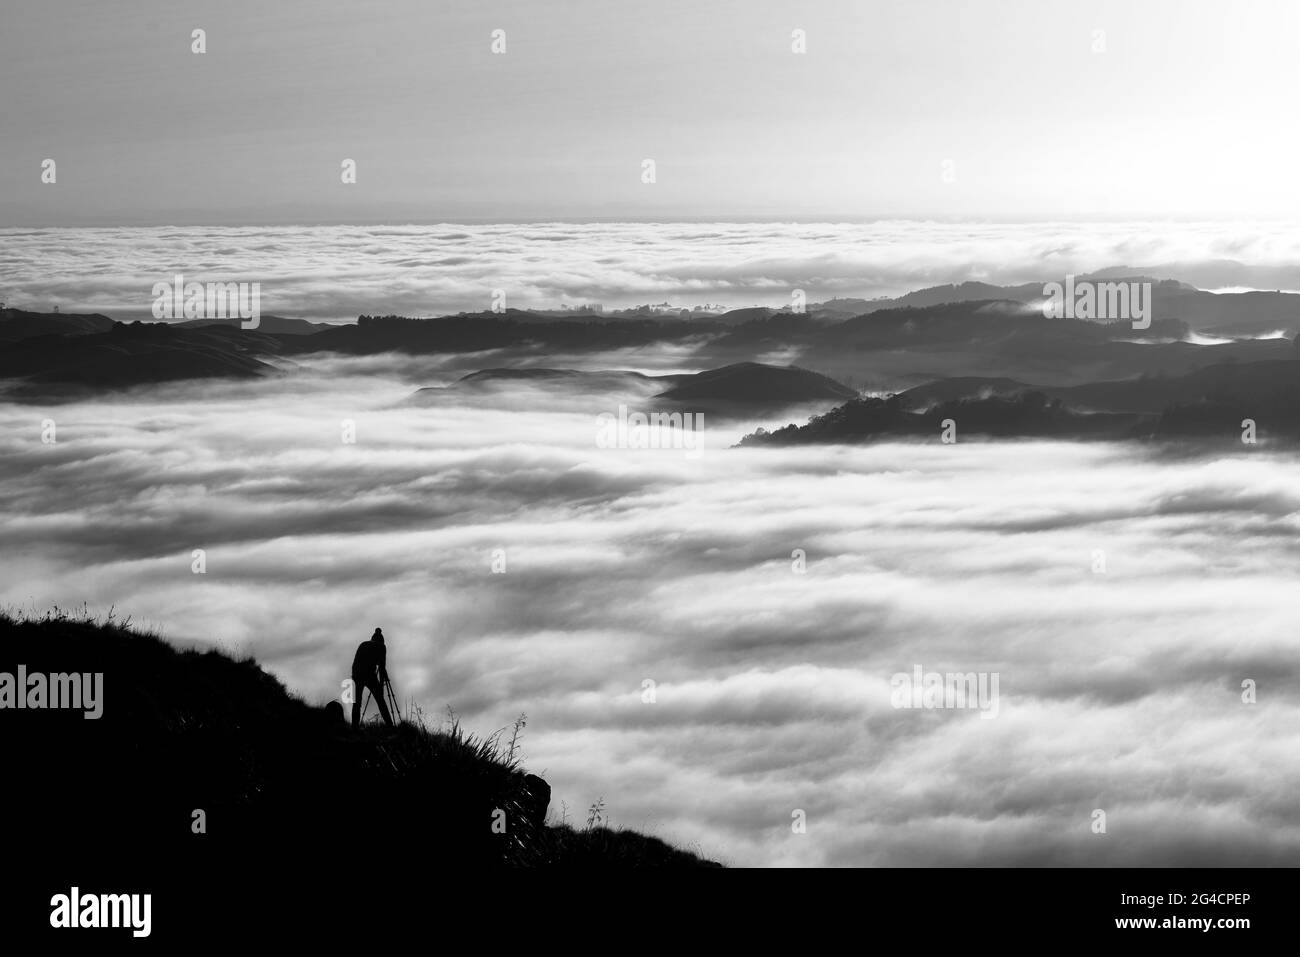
point(1187, 111)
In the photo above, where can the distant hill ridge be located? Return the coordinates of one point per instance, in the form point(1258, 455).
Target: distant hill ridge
point(1207, 404)
point(729, 390)
point(872, 345)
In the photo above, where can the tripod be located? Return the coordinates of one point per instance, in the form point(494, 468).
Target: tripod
point(390, 698)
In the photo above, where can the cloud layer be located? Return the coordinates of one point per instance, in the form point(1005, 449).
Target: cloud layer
point(1120, 691)
point(336, 273)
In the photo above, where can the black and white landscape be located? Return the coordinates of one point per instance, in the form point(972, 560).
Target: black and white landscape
point(844, 435)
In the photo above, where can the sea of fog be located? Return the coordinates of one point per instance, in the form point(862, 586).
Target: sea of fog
point(707, 641)
point(335, 273)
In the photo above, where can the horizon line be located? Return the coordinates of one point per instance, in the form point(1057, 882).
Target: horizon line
point(812, 220)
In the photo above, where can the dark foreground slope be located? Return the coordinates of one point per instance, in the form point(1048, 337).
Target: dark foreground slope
point(289, 792)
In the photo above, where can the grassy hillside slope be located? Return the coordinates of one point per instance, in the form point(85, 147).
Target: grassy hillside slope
point(281, 784)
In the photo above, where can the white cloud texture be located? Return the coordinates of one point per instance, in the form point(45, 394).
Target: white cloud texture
point(1119, 691)
point(336, 273)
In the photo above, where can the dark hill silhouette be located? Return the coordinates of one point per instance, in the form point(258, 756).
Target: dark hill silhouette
point(1273, 385)
point(731, 392)
point(972, 291)
point(18, 324)
point(543, 316)
point(272, 325)
point(132, 354)
point(1026, 415)
point(1239, 313)
point(756, 382)
point(476, 333)
point(894, 348)
point(1010, 324)
point(1208, 403)
point(287, 788)
point(735, 317)
point(891, 344)
point(778, 330)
